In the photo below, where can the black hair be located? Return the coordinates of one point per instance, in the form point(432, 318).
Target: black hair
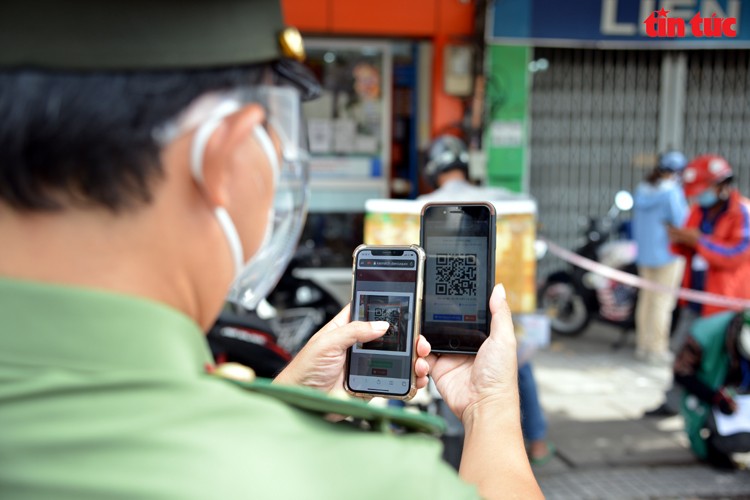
point(87, 139)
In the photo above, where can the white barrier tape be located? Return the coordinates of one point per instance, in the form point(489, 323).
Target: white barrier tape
point(636, 281)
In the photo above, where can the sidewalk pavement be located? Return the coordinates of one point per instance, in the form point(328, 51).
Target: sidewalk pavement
point(594, 398)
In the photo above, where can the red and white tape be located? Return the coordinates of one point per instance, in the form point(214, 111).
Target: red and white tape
point(636, 281)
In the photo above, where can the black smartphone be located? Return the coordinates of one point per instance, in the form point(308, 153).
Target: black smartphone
point(386, 286)
point(459, 240)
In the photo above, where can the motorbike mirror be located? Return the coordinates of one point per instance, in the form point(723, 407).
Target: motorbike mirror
point(623, 201)
point(540, 249)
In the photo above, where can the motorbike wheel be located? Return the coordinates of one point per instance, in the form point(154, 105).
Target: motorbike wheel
point(565, 307)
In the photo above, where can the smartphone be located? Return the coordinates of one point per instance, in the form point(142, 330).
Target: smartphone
point(459, 240)
point(386, 286)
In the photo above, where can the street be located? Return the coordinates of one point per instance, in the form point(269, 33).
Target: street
point(593, 398)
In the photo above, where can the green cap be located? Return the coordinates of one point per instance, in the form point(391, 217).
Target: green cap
point(142, 34)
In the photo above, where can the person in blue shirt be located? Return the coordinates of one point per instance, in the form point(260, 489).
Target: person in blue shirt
point(659, 204)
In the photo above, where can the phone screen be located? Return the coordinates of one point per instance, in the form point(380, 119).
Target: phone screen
point(459, 275)
point(385, 289)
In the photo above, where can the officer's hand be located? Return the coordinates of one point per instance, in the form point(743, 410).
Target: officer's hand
point(491, 377)
point(320, 364)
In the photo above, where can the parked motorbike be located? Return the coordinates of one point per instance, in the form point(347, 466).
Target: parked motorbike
point(244, 337)
point(267, 338)
point(573, 297)
point(302, 305)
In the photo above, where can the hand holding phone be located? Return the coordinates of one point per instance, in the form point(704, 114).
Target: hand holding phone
point(387, 286)
point(463, 379)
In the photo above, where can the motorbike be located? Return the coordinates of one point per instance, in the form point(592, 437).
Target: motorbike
point(573, 297)
point(266, 339)
point(245, 337)
point(302, 306)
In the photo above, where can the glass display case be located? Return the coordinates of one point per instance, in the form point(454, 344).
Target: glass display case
point(349, 125)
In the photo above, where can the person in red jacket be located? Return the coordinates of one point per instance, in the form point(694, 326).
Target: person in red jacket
point(716, 238)
point(715, 243)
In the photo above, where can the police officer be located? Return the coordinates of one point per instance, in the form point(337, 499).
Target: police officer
point(150, 161)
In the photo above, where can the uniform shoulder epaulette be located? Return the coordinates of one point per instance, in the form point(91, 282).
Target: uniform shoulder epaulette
point(377, 418)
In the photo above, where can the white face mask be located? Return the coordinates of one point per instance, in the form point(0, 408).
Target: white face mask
point(256, 275)
point(743, 340)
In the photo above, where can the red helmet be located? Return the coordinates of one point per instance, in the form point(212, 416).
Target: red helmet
point(703, 172)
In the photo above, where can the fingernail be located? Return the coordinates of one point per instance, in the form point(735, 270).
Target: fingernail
point(380, 326)
point(501, 290)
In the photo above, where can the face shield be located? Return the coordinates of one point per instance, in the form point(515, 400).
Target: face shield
point(281, 138)
point(286, 219)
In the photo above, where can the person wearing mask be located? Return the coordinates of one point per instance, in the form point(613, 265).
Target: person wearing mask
point(447, 172)
point(659, 204)
point(713, 367)
point(151, 163)
point(715, 243)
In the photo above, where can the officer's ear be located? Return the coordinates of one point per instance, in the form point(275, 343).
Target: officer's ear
point(231, 146)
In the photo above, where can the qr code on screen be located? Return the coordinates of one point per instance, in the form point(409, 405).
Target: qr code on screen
point(456, 274)
point(387, 312)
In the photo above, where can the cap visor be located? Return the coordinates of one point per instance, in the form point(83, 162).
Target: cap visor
point(299, 76)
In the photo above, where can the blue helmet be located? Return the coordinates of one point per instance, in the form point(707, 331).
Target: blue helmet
point(672, 161)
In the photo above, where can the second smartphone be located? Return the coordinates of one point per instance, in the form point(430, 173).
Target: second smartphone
point(387, 286)
point(459, 240)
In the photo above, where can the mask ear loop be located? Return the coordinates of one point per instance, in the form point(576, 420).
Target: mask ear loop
point(202, 135)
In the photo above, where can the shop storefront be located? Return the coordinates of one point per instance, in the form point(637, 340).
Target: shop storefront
point(394, 75)
point(596, 98)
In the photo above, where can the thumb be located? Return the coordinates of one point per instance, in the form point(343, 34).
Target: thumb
point(502, 321)
point(358, 331)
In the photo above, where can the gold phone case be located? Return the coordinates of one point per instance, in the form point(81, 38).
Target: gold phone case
point(421, 257)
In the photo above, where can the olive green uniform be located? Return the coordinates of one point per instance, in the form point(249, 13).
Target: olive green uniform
point(107, 396)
